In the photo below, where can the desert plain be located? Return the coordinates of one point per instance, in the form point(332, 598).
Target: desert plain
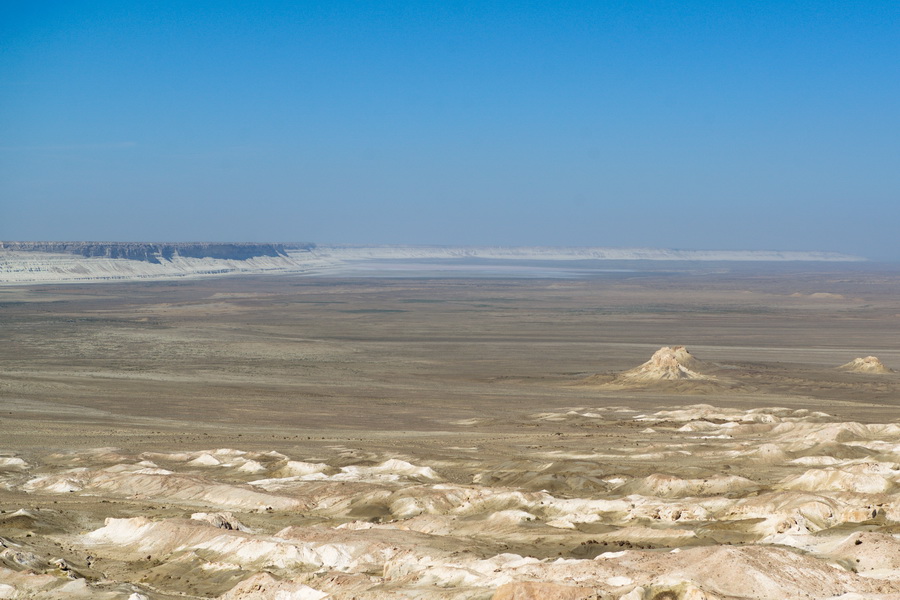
point(300, 438)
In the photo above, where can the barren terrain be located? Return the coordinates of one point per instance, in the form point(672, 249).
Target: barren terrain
point(303, 438)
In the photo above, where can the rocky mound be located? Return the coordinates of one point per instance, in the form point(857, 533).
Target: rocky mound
point(869, 364)
point(666, 364)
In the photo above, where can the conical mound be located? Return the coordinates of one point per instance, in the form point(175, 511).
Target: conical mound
point(869, 364)
point(667, 364)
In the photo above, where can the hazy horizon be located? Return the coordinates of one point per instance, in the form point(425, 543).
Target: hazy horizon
point(323, 244)
point(695, 125)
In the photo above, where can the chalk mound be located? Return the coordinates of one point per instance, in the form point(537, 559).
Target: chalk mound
point(263, 585)
point(869, 364)
point(669, 486)
point(667, 364)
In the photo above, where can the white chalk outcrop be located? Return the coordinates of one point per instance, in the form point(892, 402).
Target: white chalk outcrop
point(693, 502)
point(263, 586)
point(137, 482)
point(868, 364)
point(667, 364)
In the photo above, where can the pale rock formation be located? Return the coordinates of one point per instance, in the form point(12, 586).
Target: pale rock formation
point(263, 586)
point(536, 590)
point(713, 504)
point(127, 481)
point(667, 364)
point(869, 364)
point(221, 520)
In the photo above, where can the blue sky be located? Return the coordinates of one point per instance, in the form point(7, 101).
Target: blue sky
point(709, 125)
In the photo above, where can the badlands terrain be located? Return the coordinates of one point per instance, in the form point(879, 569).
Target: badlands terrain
point(640, 434)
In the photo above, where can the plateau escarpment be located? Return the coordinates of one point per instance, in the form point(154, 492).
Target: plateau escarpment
point(156, 252)
point(56, 262)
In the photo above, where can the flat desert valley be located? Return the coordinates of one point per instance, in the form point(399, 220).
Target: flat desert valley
point(633, 435)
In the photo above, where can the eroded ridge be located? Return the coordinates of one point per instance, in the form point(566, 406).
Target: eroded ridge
point(695, 502)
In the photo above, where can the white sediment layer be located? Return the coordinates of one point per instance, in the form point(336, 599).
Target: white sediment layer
point(43, 267)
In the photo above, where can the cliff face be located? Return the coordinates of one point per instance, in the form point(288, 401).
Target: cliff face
point(153, 252)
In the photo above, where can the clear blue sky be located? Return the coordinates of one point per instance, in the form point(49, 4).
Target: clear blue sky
point(732, 125)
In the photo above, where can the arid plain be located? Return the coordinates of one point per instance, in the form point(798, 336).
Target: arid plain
point(301, 438)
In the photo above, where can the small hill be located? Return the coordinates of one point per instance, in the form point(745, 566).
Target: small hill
point(667, 364)
point(869, 364)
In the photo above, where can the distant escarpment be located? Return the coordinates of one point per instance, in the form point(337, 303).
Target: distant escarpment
point(155, 252)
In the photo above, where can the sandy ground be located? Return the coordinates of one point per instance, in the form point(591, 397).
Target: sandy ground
point(286, 437)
